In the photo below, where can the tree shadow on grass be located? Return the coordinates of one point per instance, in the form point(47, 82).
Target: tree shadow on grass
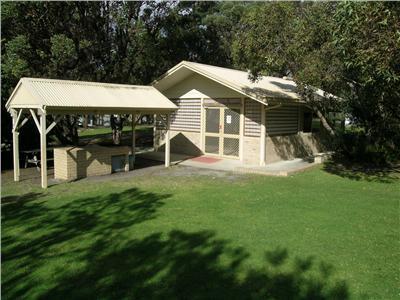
point(96, 216)
point(19, 200)
point(190, 266)
point(365, 172)
point(43, 229)
point(88, 248)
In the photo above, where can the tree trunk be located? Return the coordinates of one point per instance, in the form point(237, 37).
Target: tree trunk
point(117, 124)
point(324, 122)
point(85, 121)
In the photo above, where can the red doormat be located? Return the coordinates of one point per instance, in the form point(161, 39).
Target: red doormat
point(205, 159)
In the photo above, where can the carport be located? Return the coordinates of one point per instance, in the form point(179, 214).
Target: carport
point(38, 98)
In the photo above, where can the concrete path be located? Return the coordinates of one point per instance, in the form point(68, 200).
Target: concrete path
point(281, 168)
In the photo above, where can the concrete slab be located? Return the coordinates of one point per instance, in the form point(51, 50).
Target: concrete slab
point(191, 161)
point(160, 156)
point(281, 168)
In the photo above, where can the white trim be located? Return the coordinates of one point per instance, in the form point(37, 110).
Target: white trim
point(52, 125)
point(155, 141)
point(133, 139)
point(15, 125)
point(24, 122)
point(241, 134)
point(262, 136)
point(15, 135)
point(12, 94)
point(202, 125)
point(43, 150)
point(35, 119)
point(167, 143)
point(18, 106)
point(221, 135)
point(103, 110)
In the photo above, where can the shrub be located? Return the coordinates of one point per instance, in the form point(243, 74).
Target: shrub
point(357, 146)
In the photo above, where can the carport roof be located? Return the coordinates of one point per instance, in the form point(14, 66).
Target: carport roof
point(74, 96)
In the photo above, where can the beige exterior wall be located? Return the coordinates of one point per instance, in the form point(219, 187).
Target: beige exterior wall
point(251, 150)
point(252, 114)
point(193, 87)
point(78, 162)
point(181, 142)
point(288, 147)
point(197, 86)
point(284, 147)
point(188, 115)
point(282, 120)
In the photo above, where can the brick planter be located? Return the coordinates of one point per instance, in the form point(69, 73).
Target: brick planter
point(78, 162)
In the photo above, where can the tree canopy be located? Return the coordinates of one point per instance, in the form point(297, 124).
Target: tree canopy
point(348, 49)
point(110, 41)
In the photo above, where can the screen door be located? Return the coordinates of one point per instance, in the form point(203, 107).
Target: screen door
point(222, 131)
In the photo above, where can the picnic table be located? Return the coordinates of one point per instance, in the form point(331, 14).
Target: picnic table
point(33, 157)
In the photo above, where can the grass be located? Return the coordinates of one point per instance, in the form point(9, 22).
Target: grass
point(315, 235)
point(101, 131)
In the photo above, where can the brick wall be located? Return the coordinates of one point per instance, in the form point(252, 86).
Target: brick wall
point(284, 147)
point(78, 162)
point(251, 150)
point(288, 147)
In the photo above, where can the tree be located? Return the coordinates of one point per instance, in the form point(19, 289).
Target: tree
point(367, 37)
point(350, 50)
point(108, 41)
point(117, 124)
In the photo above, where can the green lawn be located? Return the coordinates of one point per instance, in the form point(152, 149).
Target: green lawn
point(100, 131)
point(315, 235)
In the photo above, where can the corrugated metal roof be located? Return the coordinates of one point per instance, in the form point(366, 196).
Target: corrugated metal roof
point(65, 94)
point(266, 86)
point(262, 89)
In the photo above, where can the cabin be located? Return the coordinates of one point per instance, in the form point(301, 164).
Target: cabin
point(222, 113)
point(199, 110)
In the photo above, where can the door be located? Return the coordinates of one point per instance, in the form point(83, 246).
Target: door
point(222, 131)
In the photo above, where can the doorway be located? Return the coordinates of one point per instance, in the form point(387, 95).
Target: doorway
point(222, 131)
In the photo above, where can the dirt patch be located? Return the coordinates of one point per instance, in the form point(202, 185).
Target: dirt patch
point(143, 167)
point(146, 167)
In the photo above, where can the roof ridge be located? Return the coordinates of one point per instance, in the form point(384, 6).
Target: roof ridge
point(95, 83)
point(236, 70)
point(230, 69)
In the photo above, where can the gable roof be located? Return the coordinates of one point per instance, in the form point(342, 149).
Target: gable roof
point(265, 88)
point(53, 94)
